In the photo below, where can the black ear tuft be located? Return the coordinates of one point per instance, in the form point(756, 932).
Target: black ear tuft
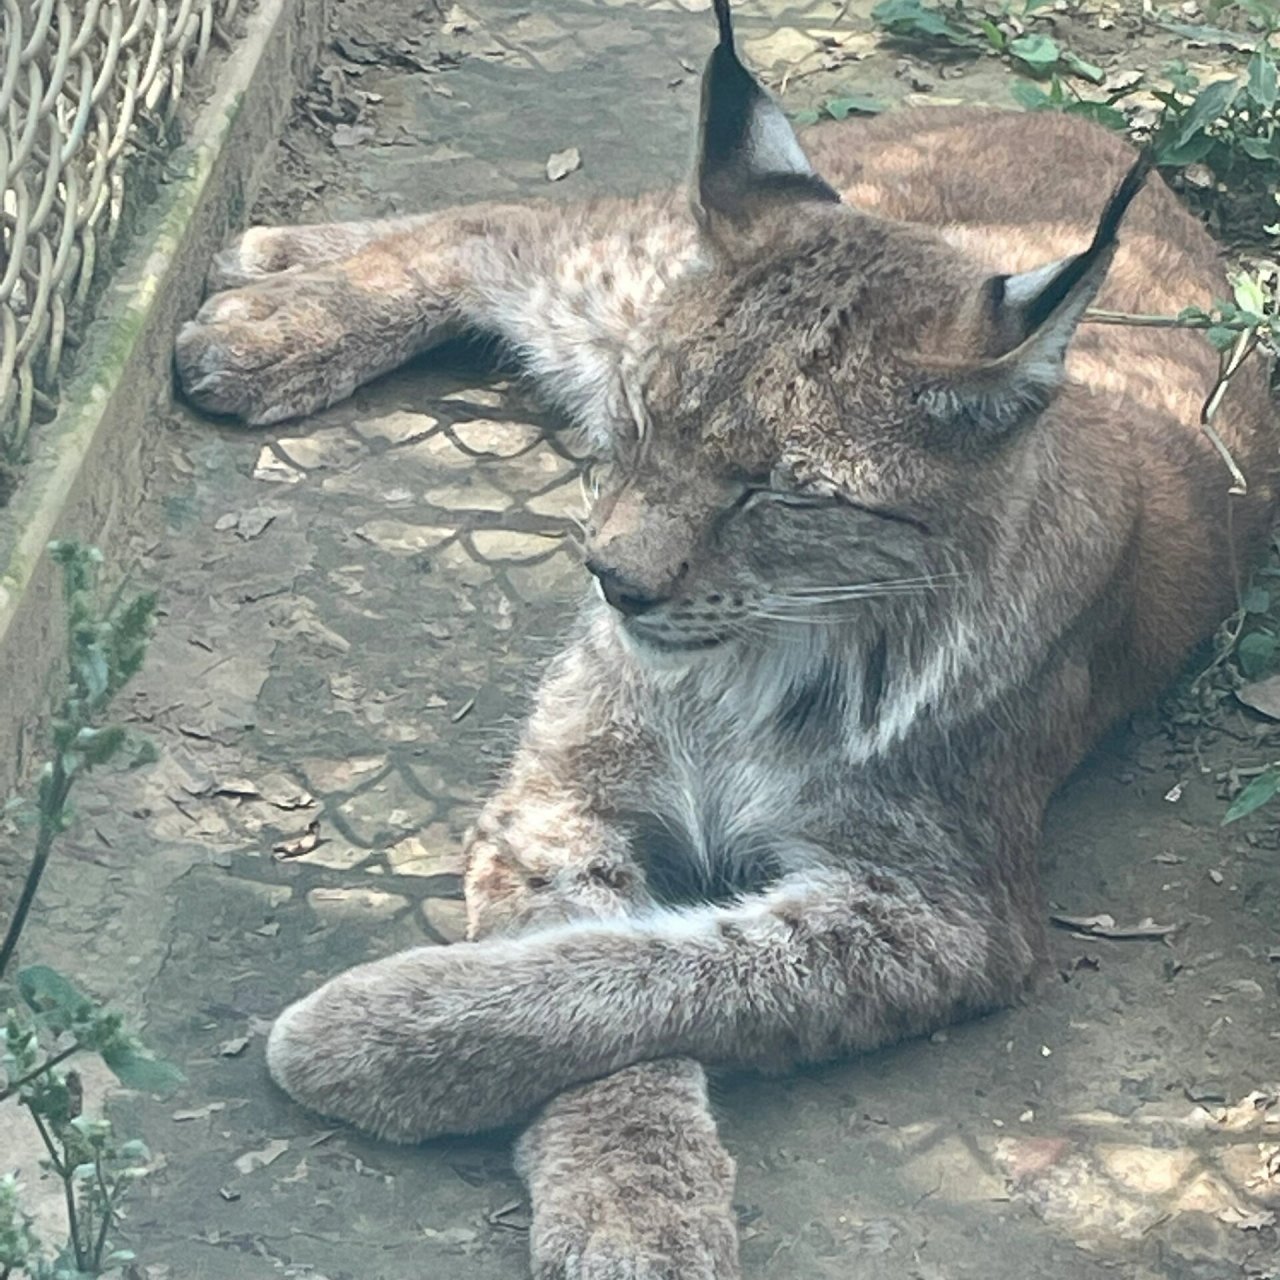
point(1033, 317)
point(1122, 197)
point(747, 150)
point(1067, 280)
point(724, 21)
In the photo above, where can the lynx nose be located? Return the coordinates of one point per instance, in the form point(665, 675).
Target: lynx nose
point(629, 598)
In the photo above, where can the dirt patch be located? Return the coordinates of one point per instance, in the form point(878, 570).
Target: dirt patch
point(394, 45)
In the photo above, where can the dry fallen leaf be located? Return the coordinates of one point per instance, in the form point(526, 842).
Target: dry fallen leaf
point(1262, 696)
point(1256, 1110)
point(284, 793)
point(503, 1217)
point(233, 1048)
point(560, 164)
point(199, 1113)
point(1199, 176)
point(352, 135)
point(296, 846)
point(345, 685)
point(1243, 1221)
point(240, 788)
point(1105, 926)
point(269, 1154)
point(252, 523)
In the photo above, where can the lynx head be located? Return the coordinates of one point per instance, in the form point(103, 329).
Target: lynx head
point(829, 413)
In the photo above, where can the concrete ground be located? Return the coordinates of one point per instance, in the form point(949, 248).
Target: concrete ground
point(354, 609)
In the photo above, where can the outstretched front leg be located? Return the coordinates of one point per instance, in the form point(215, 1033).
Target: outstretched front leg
point(826, 963)
point(321, 310)
point(629, 1181)
point(627, 1177)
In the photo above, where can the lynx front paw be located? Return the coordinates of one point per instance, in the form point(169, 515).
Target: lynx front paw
point(431, 1041)
point(295, 342)
point(384, 1046)
point(573, 1246)
point(629, 1181)
point(278, 349)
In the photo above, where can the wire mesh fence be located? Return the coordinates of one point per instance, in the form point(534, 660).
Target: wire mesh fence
point(85, 85)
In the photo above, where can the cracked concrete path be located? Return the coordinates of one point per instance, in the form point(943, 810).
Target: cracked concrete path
point(354, 608)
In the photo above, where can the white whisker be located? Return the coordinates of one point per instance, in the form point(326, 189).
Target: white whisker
point(858, 589)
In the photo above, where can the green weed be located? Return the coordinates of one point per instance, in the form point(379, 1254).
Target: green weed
point(860, 104)
point(1000, 29)
point(49, 1020)
point(1231, 125)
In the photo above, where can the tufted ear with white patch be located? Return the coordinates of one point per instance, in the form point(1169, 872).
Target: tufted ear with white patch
point(1028, 322)
point(747, 152)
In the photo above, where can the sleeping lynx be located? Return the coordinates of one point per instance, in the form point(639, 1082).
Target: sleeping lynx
point(882, 544)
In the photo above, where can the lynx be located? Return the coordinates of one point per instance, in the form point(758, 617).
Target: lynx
point(883, 538)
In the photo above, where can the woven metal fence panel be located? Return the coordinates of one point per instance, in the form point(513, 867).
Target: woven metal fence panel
point(84, 86)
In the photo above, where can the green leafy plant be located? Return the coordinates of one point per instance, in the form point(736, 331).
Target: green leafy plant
point(999, 29)
point(841, 108)
point(1260, 14)
point(1253, 311)
point(1062, 96)
point(49, 1020)
point(1231, 126)
point(1255, 795)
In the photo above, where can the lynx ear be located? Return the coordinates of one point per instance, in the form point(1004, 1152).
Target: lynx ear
point(747, 152)
point(1030, 319)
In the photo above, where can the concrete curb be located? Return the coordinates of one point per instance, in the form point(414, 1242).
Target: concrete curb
point(91, 462)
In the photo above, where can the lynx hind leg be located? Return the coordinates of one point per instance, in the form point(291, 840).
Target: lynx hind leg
point(629, 1181)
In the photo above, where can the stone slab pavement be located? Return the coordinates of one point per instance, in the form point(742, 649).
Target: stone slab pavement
point(354, 608)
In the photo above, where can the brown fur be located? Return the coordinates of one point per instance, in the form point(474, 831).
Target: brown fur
point(878, 569)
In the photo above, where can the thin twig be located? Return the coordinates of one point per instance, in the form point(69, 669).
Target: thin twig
point(1227, 648)
point(54, 1158)
point(48, 1065)
point(1245, 344)
point(68, 1190)
point(1095, 315)
point(1242, 350)
point(108, 1213)
point(50, 812)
